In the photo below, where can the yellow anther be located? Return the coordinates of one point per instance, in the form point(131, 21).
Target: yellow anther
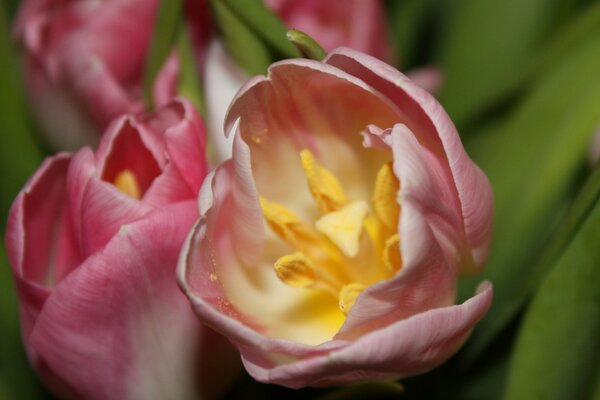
point(384, 197)
point(127, 183)
point(324, 186)
point(298, 271)
point(344, 227)
point(391, 253)
point(295, 270)
point(348, 295)
point(288, 226)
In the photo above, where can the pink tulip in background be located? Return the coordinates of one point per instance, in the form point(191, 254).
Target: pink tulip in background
point(328, 248)
point(84, 63)
point(93, 240)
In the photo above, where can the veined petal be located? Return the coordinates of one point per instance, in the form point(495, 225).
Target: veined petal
point(306, 112)
point(435, 131)
point(404, 348)
point(128, 295)
point(40, 242)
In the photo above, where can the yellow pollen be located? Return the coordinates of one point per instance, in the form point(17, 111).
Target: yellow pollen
point(324, 186)
point(391, 253)
point(127, 183)
point(384, 197)
point(348, 295)
point(343, 227)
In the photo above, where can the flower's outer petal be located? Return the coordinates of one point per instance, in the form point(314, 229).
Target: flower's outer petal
point(435, 131)
point(179, 126)
point(185, 142)
point(427, 278)
point(407, 347)
point(39, 238)
point(97, 208)
point(222, 81)
point(357, 24)
point(122, 309)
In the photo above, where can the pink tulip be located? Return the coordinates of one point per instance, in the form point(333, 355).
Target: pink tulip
point(359, 24)
point(328, 248)
point(84, 63)
point(93, 240)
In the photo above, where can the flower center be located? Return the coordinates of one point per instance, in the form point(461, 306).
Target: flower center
point(127, 183)
point(353, 244)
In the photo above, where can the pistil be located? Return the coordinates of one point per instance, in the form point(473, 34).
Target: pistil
point(127, 183)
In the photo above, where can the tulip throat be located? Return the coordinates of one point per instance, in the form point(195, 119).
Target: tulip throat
point(127, 183)
point(353, 244)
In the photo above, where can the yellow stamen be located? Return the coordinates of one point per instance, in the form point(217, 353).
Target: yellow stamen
point(298, 271)
point(391, 253)
point(324, 186)
point(295, 270)
point(348, 295)
point(288, 226)
point(384, 197)
point(343, 227)
point(127, 183)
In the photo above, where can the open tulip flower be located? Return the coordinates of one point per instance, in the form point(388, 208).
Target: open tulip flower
point(93, 240)
point(328, 248)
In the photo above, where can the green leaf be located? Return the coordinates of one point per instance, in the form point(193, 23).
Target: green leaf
point(557, 354)
point(487, 41)
point(306, 45)
point(576, 32)
point(253, 35)
point(19, 153)
point(265, 23)
point(167, 24)
point(406, 24)
point(533, 160)
point(189, 85)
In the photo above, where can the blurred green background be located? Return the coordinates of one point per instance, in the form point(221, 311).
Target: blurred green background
point(521, 81)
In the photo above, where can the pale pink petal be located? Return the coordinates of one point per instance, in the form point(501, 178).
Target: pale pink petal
point(427, 278)
point(407, 347)
point(436, 132)
point(123, 310)
point(298, 106)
